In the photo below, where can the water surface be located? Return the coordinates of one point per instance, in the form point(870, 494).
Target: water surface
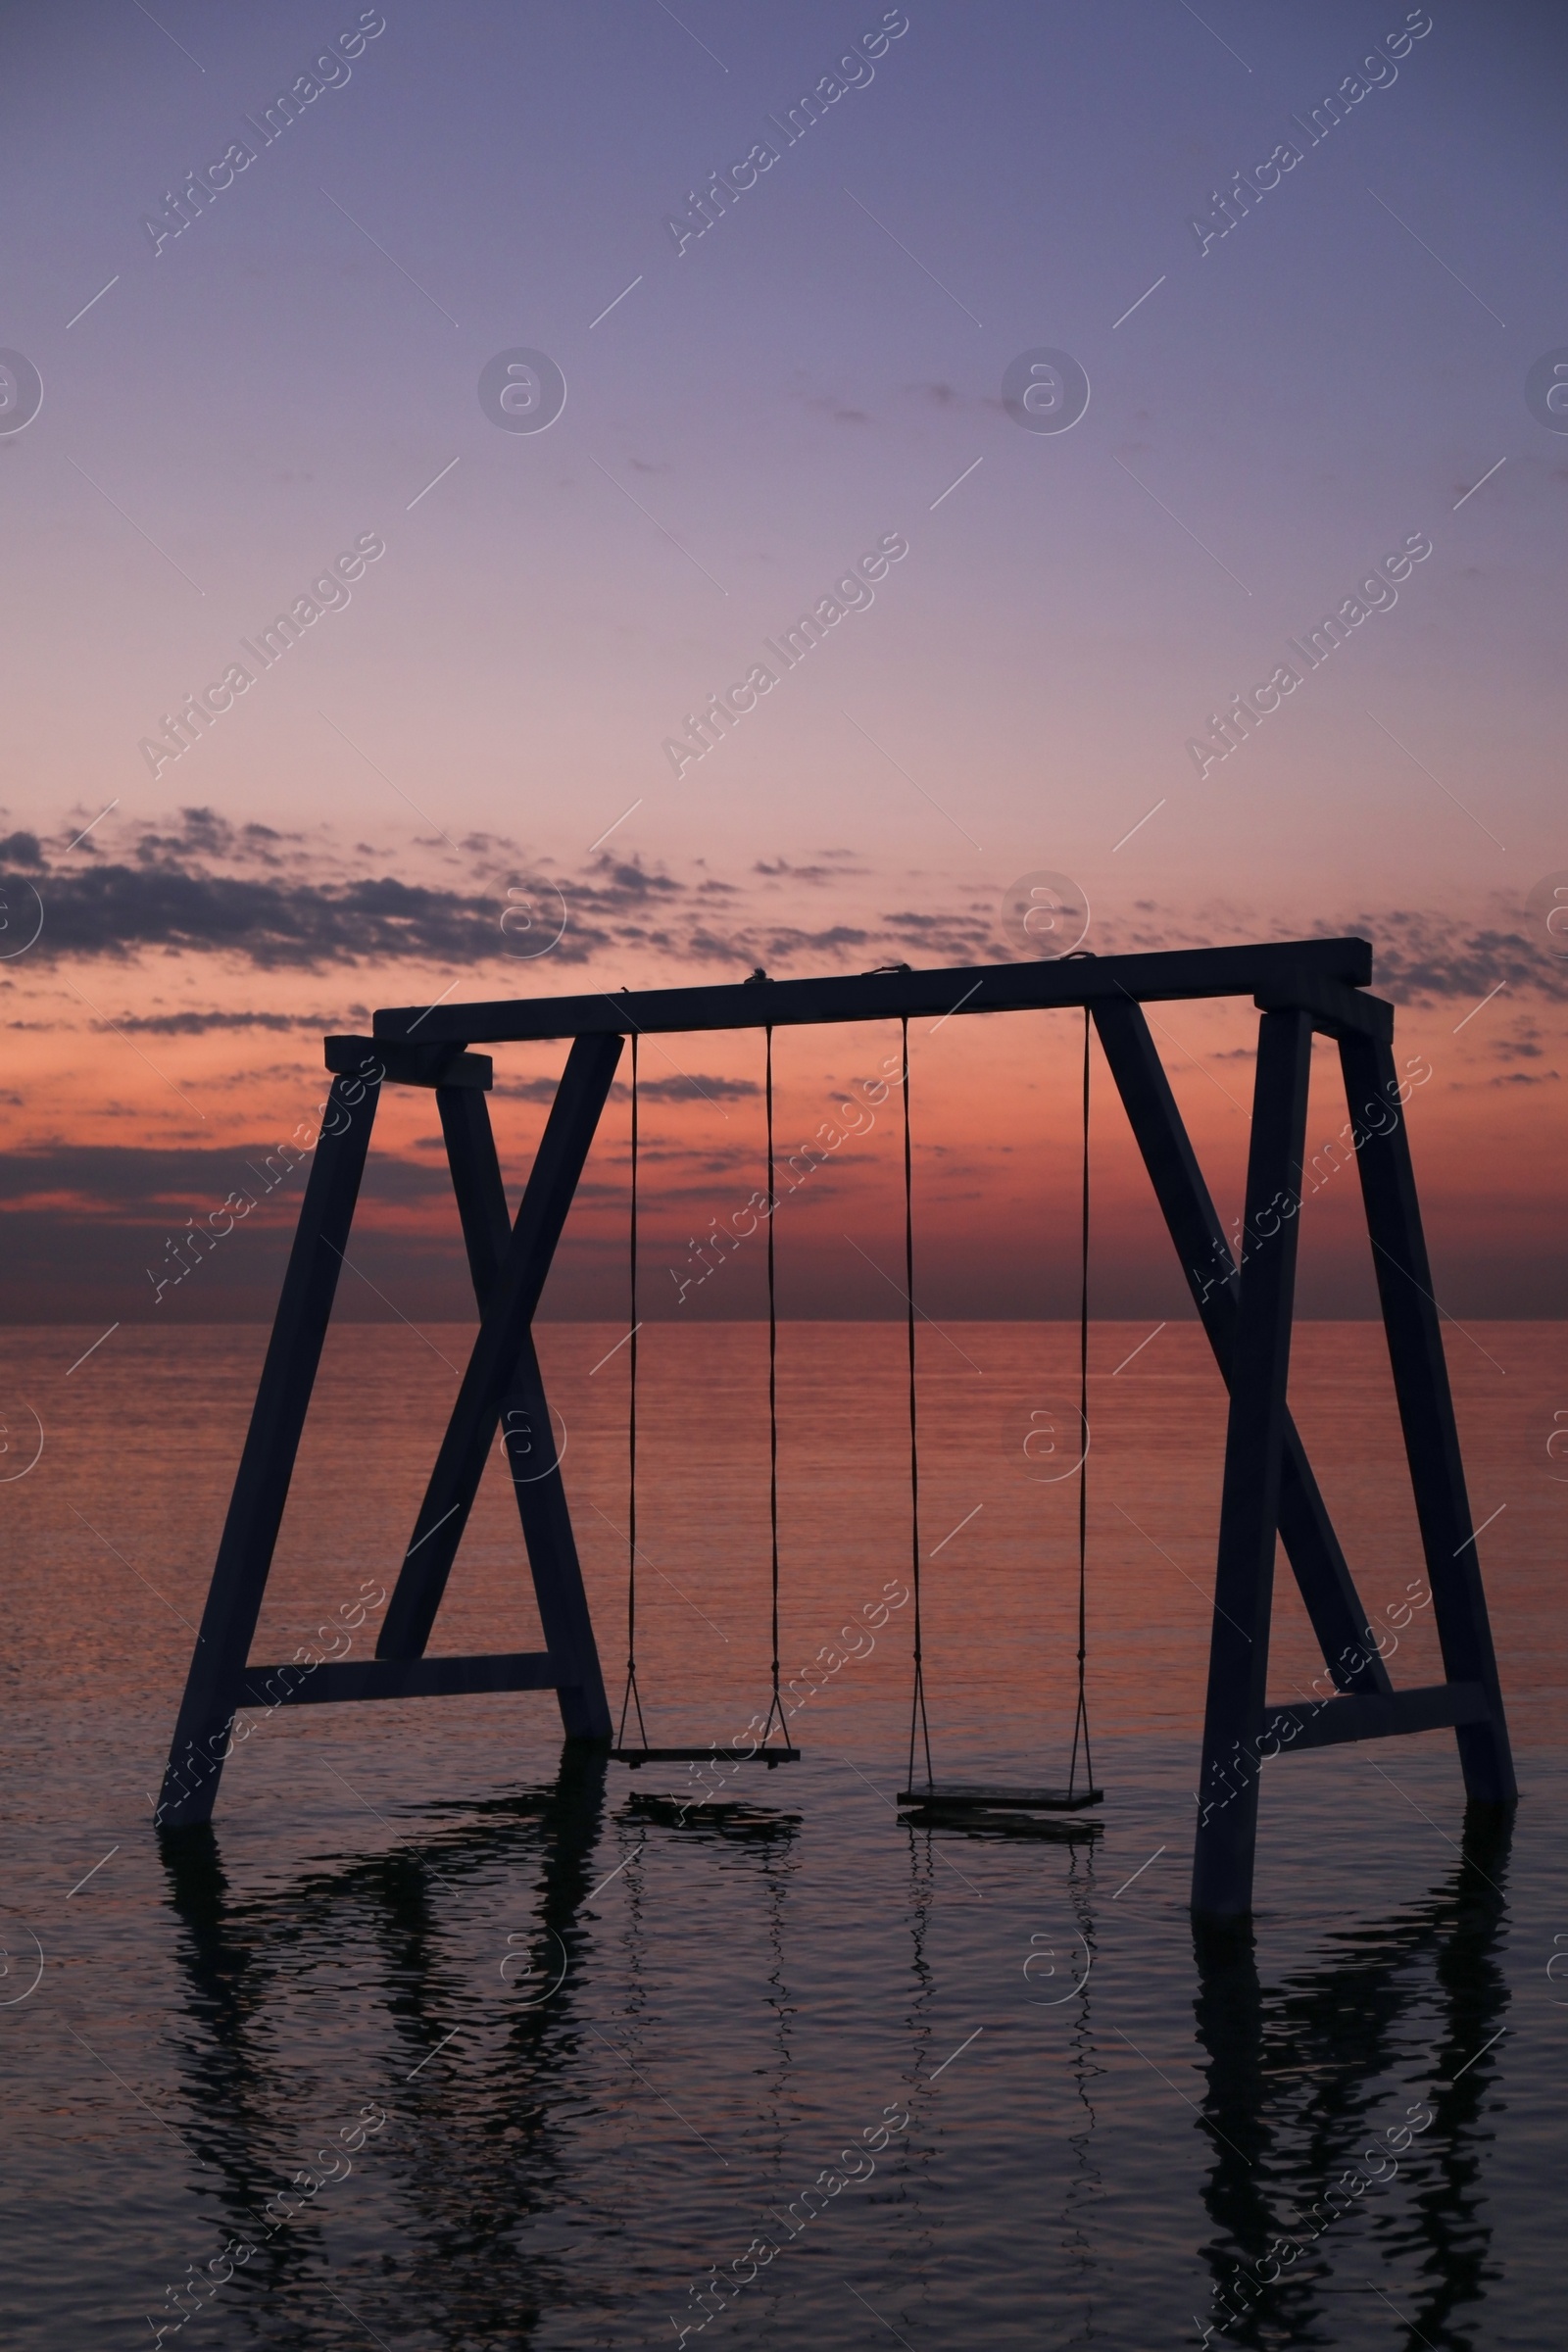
point(565, 2059)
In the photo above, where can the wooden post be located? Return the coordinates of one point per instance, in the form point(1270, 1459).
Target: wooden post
point(213, 1686)
point(1426, 1408)
point(1254, 1446)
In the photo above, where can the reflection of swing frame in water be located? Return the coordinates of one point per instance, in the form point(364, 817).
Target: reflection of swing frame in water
point(1288, 2104)
point(1301, 988)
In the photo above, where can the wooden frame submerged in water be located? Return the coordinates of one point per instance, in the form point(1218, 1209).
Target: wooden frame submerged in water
point(1299, 987)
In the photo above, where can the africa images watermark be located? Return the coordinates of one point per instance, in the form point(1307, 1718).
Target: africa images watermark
point(859, 2164)
point(282, 1161)
point(800, 1163)
point(723, 1764)
point(1284, 2252)
point(721, 714)
point(1378, 74)
point(855, 72)
point(1246, 1765)
point(1380, 1118)
point(328, 71)
point(197, 2289)
point(199, 713)
point(194, 1769)
point(1242, 718)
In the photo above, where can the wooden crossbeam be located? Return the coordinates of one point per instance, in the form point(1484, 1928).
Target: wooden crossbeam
point(1427, 1707)
point(1336, 1010)
point(1337, 967)
point(411, 1064)
point(340, 1678)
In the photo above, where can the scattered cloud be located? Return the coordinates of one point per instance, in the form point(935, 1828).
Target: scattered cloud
point(176, 905)
point(836, 407)
point(197, 1024)
point(696, 1088)
point(779, 870)
point(195, 885)
point(1424, 954)
point(133, 1183)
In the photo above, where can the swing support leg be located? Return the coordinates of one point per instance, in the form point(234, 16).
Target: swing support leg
point(1255, 1450)
point(216, 1683)
point(1426, 1412)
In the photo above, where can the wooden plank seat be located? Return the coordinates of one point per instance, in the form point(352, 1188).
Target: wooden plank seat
point(996, 1821)
point(636, 1756)
point(958, 1795)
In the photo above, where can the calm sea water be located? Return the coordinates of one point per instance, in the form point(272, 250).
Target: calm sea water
point(554, 2060)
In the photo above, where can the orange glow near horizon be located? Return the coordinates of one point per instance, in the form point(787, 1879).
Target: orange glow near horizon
point(996, 1138)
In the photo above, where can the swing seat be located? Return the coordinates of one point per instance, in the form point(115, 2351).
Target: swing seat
point(635, 1756)
point(965, 1796)
point(998, 1820)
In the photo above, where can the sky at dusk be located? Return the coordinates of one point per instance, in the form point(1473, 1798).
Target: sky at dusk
point(1307, 265)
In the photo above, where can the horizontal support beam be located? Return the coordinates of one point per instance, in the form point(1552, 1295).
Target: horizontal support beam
point(1336, 1010)
point(400, 1678)
point(1434, 1707)
point(438, 1064)
point(895, 995)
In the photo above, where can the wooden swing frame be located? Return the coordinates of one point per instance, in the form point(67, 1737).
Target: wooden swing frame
point(1299, 987)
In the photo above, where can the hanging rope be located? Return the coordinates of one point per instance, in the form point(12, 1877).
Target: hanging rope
point(632, 1696)
point(1080, 1725)
point(775, 1712)
point(918, 1714)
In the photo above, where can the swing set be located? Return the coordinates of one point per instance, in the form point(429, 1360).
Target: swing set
point(1246, 1308)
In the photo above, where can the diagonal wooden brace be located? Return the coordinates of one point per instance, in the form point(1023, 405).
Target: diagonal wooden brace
point(526, 1428)
point(498, 1351)
point(1322, 1574)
